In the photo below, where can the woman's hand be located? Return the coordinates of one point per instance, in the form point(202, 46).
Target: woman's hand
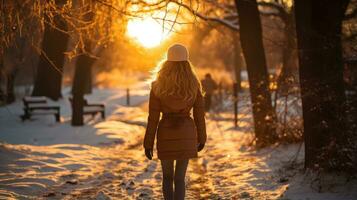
point(200, 147)
point(149, 153)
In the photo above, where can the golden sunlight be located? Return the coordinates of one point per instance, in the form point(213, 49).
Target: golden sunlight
point(148, 32)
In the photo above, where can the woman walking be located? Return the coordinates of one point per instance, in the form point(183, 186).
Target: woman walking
point(174, 92)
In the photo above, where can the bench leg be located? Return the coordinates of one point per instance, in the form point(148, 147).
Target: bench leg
point(26, 115)
point(103, 114)
point(57, 116)
point(23, 117)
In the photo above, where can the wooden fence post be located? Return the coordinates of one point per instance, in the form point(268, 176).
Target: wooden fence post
point(235, 103)
point(127, 97)
point(220, 95)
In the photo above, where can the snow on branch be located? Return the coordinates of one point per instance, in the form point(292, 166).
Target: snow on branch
point(276, 9)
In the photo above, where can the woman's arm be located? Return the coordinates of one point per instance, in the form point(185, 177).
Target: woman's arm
point(153, 120)
point(199, 117)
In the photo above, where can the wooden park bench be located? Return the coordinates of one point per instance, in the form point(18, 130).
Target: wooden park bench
point(39, 106)
point(91, 108)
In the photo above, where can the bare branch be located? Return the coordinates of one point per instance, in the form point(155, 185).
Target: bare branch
point(223, 21)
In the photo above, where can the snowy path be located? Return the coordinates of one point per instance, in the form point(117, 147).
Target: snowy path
point(105, 160)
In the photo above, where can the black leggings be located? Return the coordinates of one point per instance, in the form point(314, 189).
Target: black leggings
point(170, 176)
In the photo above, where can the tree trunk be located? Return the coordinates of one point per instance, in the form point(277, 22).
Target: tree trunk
point(77, 109)
point(318, 26)
point(2, 94)
point(82, 81)
point(238, 61)
point(10, 87)
point(82, 84)
point(50, 68)
point(2, 20)
point(252, 46)
point(286, 78)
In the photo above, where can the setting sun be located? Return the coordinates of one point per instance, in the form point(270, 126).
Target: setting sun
point(147, 32)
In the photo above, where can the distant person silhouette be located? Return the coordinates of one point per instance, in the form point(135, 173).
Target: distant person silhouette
point(174, 92)
point(209, 86)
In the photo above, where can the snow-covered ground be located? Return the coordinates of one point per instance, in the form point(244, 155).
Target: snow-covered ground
point(42, 159)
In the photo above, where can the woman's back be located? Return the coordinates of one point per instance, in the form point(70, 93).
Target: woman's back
point(175, 104)
point(175, 91)
point(177, 132)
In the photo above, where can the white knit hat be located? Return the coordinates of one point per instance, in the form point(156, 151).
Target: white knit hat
point(177, 52)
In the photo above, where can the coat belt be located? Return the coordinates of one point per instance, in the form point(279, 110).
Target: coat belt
point(175, 115)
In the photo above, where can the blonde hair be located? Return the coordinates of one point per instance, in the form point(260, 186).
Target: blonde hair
point(176, 78)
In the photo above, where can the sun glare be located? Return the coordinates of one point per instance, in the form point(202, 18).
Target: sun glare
point(147, 32)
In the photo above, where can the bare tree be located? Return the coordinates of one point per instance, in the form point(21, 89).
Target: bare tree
point(253, 50)
point(82, 81)
point(50, 68)
point(58, 20)
point(238, 60)
point(318, 25)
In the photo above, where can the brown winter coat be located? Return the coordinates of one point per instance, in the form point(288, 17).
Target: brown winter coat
point(177, 133)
